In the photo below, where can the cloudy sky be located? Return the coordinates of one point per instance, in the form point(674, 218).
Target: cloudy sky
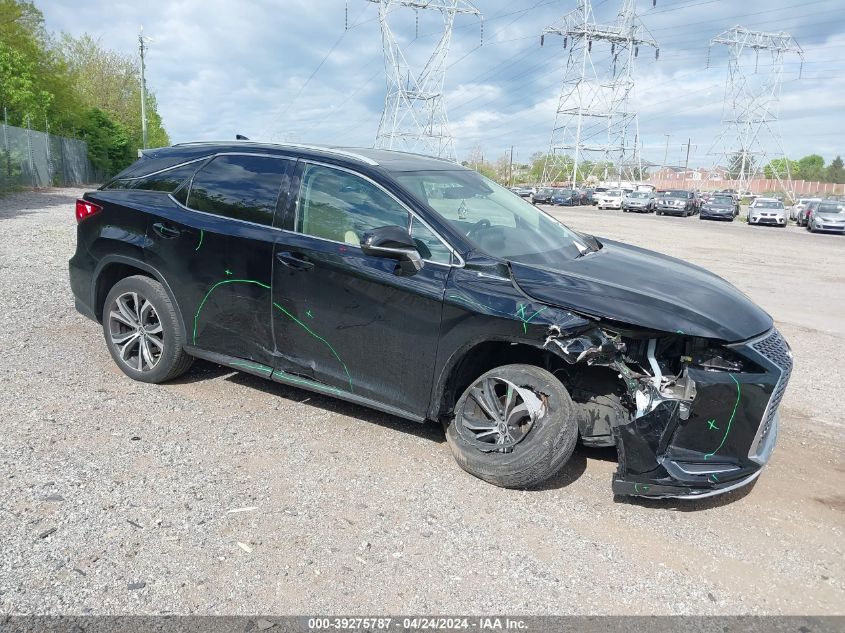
point(288, 69)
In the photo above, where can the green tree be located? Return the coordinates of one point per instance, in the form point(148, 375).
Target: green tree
point(73, 85)
point(109, 145)
point(811, 167)
point(781, 168)
point(740, 163)
point(111, 82)
point(835, 172)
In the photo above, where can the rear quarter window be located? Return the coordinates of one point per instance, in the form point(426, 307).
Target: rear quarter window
point(239, 187)
point(166, 181)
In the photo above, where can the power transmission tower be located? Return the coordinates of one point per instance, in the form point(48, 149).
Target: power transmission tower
point(750, 111)
point(593, 125)
point(414, 118)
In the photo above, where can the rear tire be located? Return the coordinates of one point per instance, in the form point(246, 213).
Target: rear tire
point(524, 410)
point(142, 331)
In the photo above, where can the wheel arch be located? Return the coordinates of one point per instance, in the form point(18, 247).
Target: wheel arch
point(469, 362)
point(112, 268)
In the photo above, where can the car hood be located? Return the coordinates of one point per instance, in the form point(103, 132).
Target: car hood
point(719, 207)
point(829, 216)
point(642, 288)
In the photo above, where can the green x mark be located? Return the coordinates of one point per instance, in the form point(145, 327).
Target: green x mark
point(310, 316)
point(712, 424)
point(229, 272)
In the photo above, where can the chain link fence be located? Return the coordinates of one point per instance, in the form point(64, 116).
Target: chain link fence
point(36, 159)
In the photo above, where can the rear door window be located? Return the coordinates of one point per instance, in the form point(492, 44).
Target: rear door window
point(239, 187)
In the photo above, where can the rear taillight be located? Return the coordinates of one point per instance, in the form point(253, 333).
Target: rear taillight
point(85, 209)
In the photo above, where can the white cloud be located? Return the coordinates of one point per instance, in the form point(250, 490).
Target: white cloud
point(220, 68)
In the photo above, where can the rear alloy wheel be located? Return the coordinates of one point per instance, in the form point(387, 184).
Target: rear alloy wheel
point(142, 331)
point(514, 427)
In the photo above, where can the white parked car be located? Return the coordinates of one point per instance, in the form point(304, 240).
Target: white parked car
point(767, 211)
point(798, 207)
point(611, 199)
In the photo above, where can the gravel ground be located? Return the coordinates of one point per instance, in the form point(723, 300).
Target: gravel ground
point(221, 493)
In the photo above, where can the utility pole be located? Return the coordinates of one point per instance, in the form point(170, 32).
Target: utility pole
point(665, 155)
point(510, 170)
point(686, 162)
point(142, 45)
point(593, 121)
point(752, 96)
point(414, 117)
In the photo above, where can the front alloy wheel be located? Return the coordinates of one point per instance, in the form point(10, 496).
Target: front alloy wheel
point(515, 426)
point(135, 331)
point(498, 414)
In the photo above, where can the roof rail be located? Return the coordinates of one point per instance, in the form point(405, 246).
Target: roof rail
point(319, 148)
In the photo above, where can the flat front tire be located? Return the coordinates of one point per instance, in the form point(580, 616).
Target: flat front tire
point(515, 427)
point(142, 331)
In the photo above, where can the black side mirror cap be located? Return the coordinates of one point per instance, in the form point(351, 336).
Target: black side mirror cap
point(393, 242)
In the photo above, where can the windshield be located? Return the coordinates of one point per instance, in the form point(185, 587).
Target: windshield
point(674, 194)
point(615, 193)
point(545, 192)
point(722, 200)
point(564, 192)
point(493, 219)
point(768, 204)
point(830, 208)
point(639, 194)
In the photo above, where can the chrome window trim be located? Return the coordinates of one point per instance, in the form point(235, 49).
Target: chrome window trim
point(411, 213)
point(328, 150)
point(161, 171)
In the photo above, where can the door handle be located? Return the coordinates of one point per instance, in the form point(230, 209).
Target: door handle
point(165, 231)
point(294, 261)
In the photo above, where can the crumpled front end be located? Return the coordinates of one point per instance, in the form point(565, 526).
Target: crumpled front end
point(690, 417)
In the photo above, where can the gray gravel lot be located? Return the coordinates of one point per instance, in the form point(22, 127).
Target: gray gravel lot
point(221, 493)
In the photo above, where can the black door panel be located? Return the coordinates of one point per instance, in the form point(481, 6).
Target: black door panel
point(221, 268)
point(353, 323)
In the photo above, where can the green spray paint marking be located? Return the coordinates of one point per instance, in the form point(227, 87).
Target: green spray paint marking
point(715, 479)
point(535, 314)
point(310, 316)
point(228, 272)
point(304, 381)
point(202, 235)
point(526, 320)
point(213, 288)
point(712, 425)
point(252, 366)
point(321, 339)
point(730, 422)
point(287, 377)
point(288, 314)
point(520, 312)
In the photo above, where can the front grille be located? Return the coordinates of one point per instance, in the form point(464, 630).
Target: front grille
point(775, 349)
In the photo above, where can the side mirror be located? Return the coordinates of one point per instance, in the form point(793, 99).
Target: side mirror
point(393, 242)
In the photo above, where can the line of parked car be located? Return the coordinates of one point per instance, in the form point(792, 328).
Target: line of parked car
point(816, 214)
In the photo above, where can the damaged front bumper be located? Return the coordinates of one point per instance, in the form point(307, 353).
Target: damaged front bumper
point(705, 430)
point(724, 439)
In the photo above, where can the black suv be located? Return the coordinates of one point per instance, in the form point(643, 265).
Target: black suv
point(417, 287)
